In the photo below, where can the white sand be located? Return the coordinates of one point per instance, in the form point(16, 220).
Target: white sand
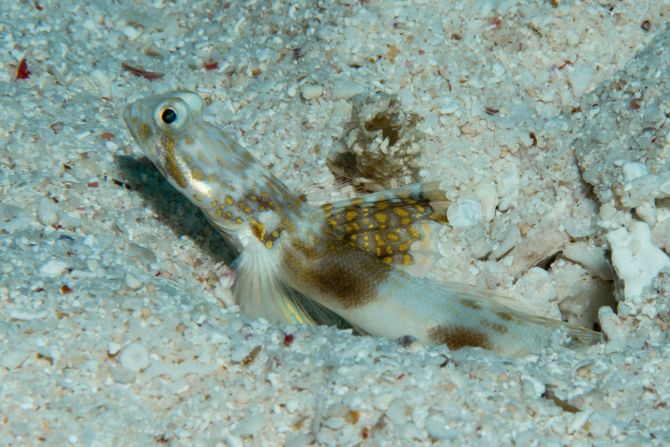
point(548, 124)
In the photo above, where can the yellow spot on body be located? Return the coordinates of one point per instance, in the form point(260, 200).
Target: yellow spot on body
point(268, 244)
point(403, 247)
point(197, 174)
point(405, 221)
point(228, 215)
point(420, 208)
point(357, 201)
point(258, 229)
point(416, 234)
point(170, 162)
point(351, 215)
point(238, 220)
point(387, 260)
point(407, 259)
point(197, 198)
point(392, 236)
point(275, 234)
point(219, 212)
point(401, 212)
point(214, 204)
point(381, 217)
point(332, 223)
point(229, 200)
point(353, 237)
point(144, 130)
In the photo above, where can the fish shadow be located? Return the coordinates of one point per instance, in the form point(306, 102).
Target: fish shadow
point(172, 208)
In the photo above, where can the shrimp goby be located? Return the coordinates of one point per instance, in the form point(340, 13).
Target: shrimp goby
point(358, 263)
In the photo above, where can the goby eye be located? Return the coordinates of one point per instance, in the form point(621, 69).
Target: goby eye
point(169, 116)
point(172, 115)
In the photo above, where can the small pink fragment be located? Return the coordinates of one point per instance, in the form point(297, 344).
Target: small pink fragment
point(210, 65)
point(22, 71)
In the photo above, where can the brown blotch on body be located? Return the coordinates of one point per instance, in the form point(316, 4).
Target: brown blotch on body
point(506, 316)
point(457, 337)
point(495, 326)
point(470, 303)
point(348, 276)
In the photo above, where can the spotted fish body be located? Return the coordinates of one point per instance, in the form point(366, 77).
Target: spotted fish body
point(356, 263)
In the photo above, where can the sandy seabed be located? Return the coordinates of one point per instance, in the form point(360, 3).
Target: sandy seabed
point(547, 123)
